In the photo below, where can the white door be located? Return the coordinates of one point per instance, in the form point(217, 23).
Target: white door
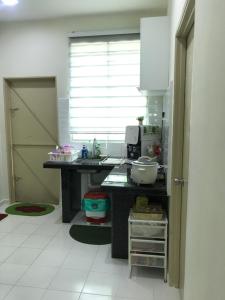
point(32, 116)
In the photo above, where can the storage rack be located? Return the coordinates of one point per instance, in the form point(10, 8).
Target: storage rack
point(148, 243)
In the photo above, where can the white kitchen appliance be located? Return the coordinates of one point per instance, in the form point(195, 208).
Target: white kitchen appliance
point(144, 171)
point(140, 138)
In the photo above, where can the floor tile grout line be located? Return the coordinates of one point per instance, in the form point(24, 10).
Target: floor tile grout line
point(19, 244)
point(15, 283)
point(4, 261)
point(58, 268)
point(57, 272)
point(42, 250)
point(90, 269)
point(9, 291)
point(22, 286)
point(47, 290)
point(51, 238)
point(61, 267)
point(28, 266)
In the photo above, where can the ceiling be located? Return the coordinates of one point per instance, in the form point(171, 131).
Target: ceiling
point(44, 9)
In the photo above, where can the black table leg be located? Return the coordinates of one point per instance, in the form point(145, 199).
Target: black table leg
point(122, 202)
point(121, 205)
point(71, 194)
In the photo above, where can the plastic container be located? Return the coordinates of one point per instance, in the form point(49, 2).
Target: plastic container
point(147, 231)
point(148, 260)
point(96, 206)
point(138, 245)
point(63, 153)
point(69, 157)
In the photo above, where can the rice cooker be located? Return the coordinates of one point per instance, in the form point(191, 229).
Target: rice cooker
point(144, 170)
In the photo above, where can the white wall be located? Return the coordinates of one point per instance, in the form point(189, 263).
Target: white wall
point(205, 258)
point(41, 49)
point(205, 246)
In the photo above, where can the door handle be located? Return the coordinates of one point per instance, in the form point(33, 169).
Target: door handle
point(179, 181)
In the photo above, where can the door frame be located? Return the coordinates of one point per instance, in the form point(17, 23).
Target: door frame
point(8, 128)
point(186, 22)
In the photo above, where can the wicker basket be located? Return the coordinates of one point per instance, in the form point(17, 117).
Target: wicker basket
point(148, 216)
point(152, 212)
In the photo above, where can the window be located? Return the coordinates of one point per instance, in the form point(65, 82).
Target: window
point(104, 76)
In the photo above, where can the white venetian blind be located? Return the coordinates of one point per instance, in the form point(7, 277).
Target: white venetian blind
point(104, 76)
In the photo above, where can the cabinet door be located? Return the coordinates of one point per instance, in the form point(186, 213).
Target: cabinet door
point(154, 70)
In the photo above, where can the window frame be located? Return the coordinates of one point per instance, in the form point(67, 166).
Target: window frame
point(104, 38)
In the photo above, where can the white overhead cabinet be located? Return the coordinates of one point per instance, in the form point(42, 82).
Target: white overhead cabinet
point(154, 72)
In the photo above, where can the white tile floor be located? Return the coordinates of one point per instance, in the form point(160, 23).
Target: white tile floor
point(39, 260)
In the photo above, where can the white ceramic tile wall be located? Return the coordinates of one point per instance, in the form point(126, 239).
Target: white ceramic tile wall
point(40, 261)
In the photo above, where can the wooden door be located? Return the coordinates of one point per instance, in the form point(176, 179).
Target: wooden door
point(32, 119)
point(180, 145)
point(186, 142)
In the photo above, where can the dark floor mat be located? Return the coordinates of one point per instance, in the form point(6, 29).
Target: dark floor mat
point(96, 235)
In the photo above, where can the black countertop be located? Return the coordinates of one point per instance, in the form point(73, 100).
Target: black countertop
point(90, 164)
point(123, 194)
point(119, 177)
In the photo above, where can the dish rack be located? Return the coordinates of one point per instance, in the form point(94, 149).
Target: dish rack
point(67, 157)
point(147, 243)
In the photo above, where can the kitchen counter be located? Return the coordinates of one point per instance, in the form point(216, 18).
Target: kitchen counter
point(123, 192)
point(118, 184)
point(78, 164)
point(71, 182)
point(119, 178)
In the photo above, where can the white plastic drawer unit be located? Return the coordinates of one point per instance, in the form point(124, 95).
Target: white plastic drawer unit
point(138, 245)
point(147, 260)
point(156, 231)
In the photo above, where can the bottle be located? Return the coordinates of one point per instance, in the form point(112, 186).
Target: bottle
point(97, 150)
point(94, 148)
point(157, 150)
point(84, 152)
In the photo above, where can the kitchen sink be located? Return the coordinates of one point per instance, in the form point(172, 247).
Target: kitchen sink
point(89, 161)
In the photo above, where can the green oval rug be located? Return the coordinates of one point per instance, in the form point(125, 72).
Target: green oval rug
point(95, 235)
point(29, 209)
